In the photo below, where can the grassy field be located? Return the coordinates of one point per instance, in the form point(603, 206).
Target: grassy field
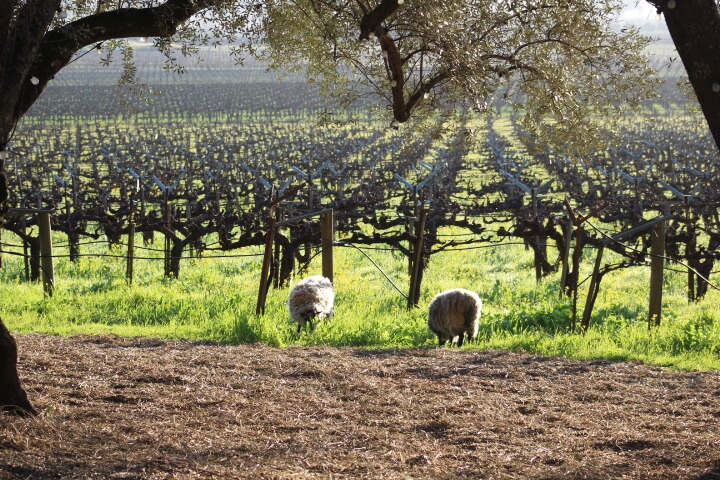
point(214, 299)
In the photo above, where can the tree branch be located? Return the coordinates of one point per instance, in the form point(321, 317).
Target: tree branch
point(426, 87)
point(371, 21)
point(59, 45)
point(21, 39)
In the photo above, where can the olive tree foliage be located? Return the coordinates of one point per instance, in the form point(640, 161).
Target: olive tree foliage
point(568, 65)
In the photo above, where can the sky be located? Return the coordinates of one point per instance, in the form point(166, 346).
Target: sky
point(643, 15)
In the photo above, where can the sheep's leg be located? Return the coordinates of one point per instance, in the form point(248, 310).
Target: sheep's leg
point(461, 337)
point(441, 342)
point(299, 327)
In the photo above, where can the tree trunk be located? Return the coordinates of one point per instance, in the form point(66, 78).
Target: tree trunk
point(13, 398)
point(694, 27)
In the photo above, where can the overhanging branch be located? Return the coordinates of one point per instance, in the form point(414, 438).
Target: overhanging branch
point(371, 21)
point(59, 45)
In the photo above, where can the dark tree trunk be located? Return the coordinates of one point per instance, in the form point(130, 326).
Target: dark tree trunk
point(34, 243)
point(74, 241)
point(694, 27)
point(32, 53)
point(13, 398)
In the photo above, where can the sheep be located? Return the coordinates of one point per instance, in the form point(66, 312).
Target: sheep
point(312, 298)
point(453, 314)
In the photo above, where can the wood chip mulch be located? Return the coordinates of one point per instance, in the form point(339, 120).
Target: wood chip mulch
point(116, 408)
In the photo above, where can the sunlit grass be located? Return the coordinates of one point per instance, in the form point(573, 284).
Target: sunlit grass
point(215, 298)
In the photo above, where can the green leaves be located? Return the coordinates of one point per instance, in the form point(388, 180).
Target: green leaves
point(561, 64)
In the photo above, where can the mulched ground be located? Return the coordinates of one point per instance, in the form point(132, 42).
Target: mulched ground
point(131, 408)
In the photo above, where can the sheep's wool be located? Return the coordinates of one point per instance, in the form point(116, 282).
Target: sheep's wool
point(454, 313)
point(313, 297)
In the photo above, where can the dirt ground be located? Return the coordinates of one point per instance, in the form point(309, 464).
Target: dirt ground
point(127, 408)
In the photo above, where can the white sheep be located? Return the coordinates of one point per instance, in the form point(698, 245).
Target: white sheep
point(453, 314)
point(312, 298)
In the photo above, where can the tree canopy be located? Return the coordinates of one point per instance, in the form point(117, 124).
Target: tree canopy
point(568, 64)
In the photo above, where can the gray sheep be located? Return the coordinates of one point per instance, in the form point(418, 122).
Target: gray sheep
point(311, 299)
point(453, 314)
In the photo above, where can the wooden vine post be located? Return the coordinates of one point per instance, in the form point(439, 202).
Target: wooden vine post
point(129, 271)
point(657, 264)
point(168, 245)
point(327, 229)
point(690, 251)
point(412, 228)
point(46, 255)
point(415, 277)
point(538, 266)
point(130, 252)
point(26, 247)
point(41, 255)
point(656, 275)
point(566, 256)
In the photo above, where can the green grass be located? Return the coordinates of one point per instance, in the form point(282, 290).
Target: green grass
point(214, 299)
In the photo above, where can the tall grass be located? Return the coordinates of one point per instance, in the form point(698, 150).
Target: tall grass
point(214, 299)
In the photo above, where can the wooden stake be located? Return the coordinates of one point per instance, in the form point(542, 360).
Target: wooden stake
point(267, 258)
point(414, 296)
point(657, 265)
point(593, 290)
point(566, 257)
point(577, 253)
point(537, 256)
point(327, 229)
point(46, 260)
point(167, 238)
point(130, 253)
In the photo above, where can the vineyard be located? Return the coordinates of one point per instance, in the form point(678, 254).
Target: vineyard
point(198, 170)
point(205, 171)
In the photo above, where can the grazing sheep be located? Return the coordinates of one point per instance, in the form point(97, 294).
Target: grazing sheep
point(454, 313)
point(312, 298)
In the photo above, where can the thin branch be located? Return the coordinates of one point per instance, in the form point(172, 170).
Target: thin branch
point(59, 45)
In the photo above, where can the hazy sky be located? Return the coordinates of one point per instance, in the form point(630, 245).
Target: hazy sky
point(642, 14)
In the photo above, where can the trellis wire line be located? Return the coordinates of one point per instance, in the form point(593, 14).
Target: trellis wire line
point(111, 255)
point(66, 245)
point(715, 287)
point(445, 235)
point(390, 249)
point(11, 245)
point(492, 245)
point(340, 244)
point(79, 244)
point(39, 264)
point(642, 265)
point(714, 272)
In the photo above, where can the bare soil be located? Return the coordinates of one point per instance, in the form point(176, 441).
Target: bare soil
point(138, 408)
